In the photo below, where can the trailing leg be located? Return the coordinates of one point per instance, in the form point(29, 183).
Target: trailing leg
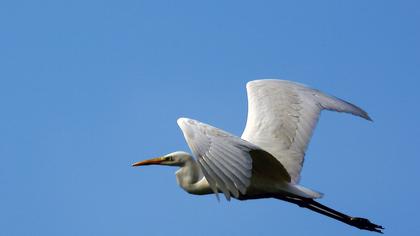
point(313, 205)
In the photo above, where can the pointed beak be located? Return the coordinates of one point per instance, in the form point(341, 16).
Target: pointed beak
point(153, 161)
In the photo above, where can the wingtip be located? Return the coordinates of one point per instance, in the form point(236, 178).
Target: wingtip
point(367, 117)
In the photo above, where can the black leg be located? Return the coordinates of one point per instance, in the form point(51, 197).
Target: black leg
point(311, 204)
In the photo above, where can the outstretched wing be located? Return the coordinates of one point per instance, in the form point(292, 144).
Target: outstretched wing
point(225, 159)
point(282, 116)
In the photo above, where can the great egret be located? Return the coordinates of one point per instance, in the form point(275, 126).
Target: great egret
point(266, 161)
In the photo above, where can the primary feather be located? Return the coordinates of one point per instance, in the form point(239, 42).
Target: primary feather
point(282, 116)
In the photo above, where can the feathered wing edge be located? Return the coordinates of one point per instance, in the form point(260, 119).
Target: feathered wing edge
point(282, 116)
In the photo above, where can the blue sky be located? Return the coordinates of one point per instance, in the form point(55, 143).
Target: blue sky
point(88, 87)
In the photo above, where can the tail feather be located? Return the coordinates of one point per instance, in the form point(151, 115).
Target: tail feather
point(311, 193)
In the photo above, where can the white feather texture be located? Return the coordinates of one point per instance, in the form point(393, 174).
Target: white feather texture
point(282, 116)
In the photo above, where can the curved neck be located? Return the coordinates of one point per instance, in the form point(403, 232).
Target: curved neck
point(191, 178)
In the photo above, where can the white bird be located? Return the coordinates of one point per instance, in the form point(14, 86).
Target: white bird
point(266, 161)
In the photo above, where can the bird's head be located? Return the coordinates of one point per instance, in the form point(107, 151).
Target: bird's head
point(178, 158)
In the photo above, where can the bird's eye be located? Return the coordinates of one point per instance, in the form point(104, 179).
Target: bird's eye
point(169, 158)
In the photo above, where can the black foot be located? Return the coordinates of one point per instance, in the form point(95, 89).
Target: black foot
point(365, 224)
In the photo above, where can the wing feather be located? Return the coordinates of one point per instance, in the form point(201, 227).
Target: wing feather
point(225, 159)
point(282, 116)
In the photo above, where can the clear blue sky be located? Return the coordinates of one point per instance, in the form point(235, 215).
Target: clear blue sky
point(88, 87)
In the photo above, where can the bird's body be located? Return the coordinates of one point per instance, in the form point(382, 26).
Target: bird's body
point(189, 176)
point(266, 161)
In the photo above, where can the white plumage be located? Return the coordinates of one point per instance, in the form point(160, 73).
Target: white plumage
point(266, 161)
point(282, 116)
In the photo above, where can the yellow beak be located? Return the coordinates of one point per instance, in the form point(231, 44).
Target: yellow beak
point(153, 161)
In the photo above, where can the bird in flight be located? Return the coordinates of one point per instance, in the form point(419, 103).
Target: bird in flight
point(266, 161)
